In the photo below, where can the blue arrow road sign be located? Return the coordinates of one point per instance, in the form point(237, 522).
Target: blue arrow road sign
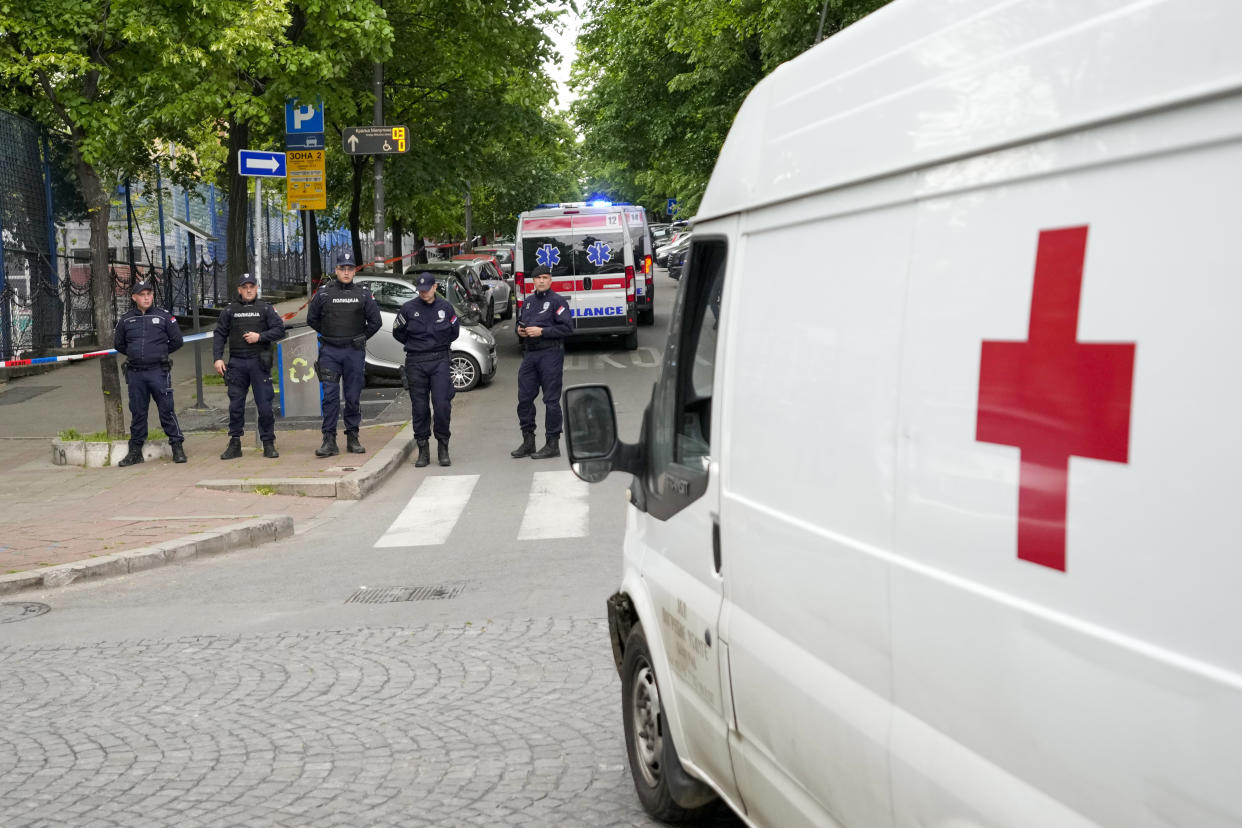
point(303, 117)
point(264, 164)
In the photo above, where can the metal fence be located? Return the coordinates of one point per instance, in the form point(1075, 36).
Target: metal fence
point(172, 235)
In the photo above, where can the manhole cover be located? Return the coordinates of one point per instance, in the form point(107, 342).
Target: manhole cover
point(21, 610)
point(24, 392)
point(390, 595)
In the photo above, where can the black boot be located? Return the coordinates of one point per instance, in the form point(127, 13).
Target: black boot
point(552, 448)
point(352, 445)
point(528, 445)
point(442, 448)
point(269, 449)
point(424, 456)
point(328, 449)
point(178, 453)
point(234, 449)
point(134, 456)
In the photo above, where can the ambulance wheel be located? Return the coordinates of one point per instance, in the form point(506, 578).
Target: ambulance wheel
point(646, 317)
point(463, 371)
point(631, 341)
point(645, 733)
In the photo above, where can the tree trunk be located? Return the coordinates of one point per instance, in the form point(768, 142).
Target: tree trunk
point(316, 260)
point(420, 251)
point(355, 205)
point(397, 264)
point(236, 254)
point(103, 289)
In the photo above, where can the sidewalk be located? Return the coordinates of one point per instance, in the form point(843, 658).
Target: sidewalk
point(55, 515)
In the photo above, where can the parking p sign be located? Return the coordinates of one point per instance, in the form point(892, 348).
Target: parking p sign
point(303, 117)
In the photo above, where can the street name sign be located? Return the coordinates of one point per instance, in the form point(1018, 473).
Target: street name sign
point(261, 164)
point(303, 117)
point(305, 182)
point(375, 140)
point(304, 140)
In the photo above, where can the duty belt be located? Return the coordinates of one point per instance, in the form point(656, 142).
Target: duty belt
point(531, 345)
point(426, 356)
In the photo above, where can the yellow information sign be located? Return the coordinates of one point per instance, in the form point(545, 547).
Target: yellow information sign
point(305, 181)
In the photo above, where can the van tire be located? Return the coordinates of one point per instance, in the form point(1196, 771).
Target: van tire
point(630, 340)
point(646, 317)
point(647, 743)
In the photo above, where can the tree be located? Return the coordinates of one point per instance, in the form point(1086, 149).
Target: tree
point(85, 68)
point(661, 82)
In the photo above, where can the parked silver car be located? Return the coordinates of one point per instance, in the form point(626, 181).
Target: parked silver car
point(472, 359)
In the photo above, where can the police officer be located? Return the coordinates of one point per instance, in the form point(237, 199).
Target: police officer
point(543, 324)
point(146, 335)
point(345, 316)
point(249, 326)
point(428, 325)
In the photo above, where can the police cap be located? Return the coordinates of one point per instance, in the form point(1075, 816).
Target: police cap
point(426, 281)
point(346, 258)
point(541, 270)
point(141, 285)
point(247, 279)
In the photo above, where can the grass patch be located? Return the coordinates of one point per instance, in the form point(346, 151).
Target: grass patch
point(266, 491)
point(98, 437)
point(213, 379)
point(69, 435)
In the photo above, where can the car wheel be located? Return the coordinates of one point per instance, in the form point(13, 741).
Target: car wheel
point(643, 717)
point(463, 371)
point(646, 317)
point(631, 341)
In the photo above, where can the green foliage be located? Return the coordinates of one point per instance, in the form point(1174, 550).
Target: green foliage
point(661, 82)
point(69, 435)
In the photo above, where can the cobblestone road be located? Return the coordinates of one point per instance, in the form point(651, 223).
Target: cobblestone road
point(513, 723)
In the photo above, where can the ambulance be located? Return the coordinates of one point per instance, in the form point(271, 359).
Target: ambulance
point(600, 258)
point(968, 553)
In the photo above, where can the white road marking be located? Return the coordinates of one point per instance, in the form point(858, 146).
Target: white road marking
point(428, 519)
point(558, 507)
point(604, 360)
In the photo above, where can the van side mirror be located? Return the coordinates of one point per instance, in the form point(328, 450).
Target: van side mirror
point(591, 435)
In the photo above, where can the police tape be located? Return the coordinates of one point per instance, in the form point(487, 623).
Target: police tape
point(22, 363)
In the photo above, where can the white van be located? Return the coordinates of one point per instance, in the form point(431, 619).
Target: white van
point(595, 255)
point(968, 555)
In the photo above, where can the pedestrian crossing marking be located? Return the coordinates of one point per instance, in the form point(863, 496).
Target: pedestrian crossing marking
point(558, 507)
point(428, 519)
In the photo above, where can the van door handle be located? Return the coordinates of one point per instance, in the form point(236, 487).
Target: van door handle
point(716, 544)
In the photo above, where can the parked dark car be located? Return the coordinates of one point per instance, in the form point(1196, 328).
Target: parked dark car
point(470, 275)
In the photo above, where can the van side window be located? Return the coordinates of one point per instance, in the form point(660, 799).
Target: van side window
point(679, 438)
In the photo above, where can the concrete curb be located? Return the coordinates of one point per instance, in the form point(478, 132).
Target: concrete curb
point(353, 486)
point(357, 485)
point(248, 533)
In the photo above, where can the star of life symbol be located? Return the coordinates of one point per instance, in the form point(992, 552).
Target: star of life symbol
point(599, 253)
point(547, 256)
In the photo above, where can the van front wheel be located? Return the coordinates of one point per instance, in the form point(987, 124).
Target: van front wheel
point(645, 733)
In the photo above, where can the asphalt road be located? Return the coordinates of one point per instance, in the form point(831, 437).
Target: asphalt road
point(434, 655)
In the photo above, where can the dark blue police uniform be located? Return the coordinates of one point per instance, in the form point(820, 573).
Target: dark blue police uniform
point(146, 338)
point(345, 316)
point(543, 360)
point(249, 366)
point(427, 331)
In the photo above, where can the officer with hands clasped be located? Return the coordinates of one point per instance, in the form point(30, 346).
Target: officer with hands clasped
point(427, 325)
point(345, 316)
point(146, 335)
point(249, 326)
point(543, 324)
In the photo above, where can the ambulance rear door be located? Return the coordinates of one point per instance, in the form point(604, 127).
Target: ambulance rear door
point(602, 288)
